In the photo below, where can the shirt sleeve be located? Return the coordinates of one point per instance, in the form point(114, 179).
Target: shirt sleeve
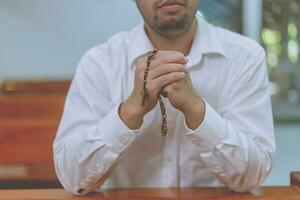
point(91, 137)
point(237, 141)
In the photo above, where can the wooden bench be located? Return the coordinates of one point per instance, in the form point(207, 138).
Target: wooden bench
point(37, 86)
point(47, 106)
point(29, 118)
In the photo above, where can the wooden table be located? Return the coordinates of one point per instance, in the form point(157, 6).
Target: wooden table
point(264, 193)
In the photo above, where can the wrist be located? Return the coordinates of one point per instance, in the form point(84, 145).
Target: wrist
point(194, 113)
point(130, 115)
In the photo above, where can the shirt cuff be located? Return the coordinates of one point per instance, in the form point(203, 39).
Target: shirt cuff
point(116, 134)
point(210, 132)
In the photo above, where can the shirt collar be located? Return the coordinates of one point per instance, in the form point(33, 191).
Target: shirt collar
point(139, 45)
point(206, 41)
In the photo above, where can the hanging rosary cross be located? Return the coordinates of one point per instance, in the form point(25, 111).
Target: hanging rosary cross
point(145, 94)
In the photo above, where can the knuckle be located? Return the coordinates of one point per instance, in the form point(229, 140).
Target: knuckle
point(162, 59)
point(179, 54)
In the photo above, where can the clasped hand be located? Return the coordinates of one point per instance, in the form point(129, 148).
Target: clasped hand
point(167, 75)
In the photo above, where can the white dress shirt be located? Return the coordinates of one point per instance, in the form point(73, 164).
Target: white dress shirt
point(233, 147)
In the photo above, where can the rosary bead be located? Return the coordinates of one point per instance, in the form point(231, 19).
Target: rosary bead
point(164, 128)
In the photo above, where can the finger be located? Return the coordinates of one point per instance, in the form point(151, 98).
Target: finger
point(157, 84)
point(168, 57)
point(161, 57)
point(166, 69)
point(140, 64)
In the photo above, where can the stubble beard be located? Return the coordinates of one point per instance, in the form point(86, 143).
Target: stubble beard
point(172, 27)
point(175, 25)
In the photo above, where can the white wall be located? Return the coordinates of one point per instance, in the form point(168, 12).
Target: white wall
point(46, 38)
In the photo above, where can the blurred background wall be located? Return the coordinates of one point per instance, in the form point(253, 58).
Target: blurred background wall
point(44, 39)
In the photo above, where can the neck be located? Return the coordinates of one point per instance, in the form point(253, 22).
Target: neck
point(180, 42)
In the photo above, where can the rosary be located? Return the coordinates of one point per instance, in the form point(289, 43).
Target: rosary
point(164, 128)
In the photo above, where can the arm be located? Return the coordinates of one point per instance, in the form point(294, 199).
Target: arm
point(91, 136)
point(237, 142)
point(94, 132)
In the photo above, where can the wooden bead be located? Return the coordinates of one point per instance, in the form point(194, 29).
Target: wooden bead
point(164, 128)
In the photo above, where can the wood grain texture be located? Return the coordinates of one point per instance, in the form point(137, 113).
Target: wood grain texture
point(35, 86)
point(264, 193)
point(26, 142)
point(30, 112)
point(31, 106)
point(30, 174)
point(26, 150)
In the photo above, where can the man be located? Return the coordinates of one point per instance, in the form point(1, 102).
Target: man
point(219, 120)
